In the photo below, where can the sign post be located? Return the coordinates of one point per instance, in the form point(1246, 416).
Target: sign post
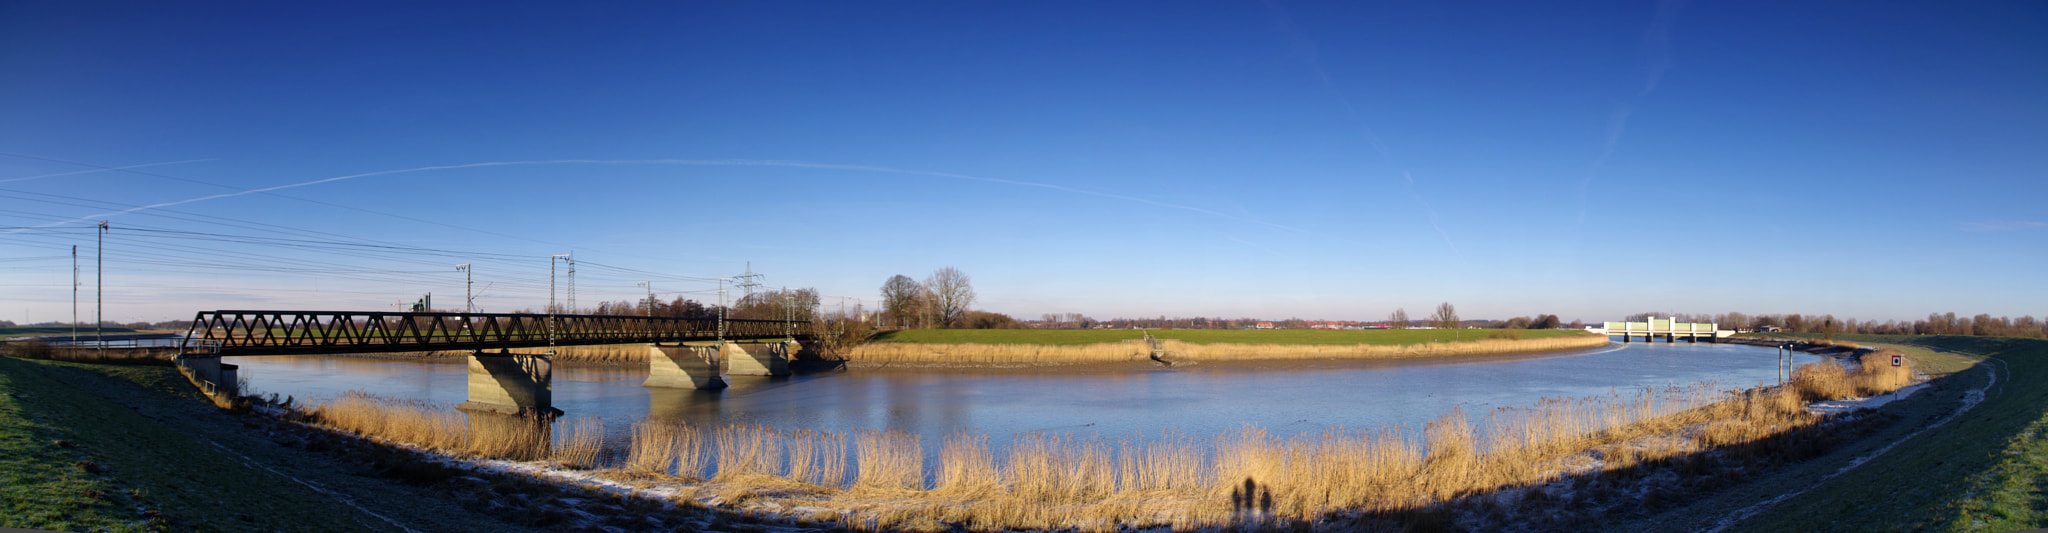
point(1898, 360)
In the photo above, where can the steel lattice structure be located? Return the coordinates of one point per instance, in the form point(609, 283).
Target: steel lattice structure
point(329, 332)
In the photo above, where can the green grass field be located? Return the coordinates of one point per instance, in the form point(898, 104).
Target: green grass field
point(76, 453)
point(1074, 337)
point(22, 332)
point(1984, 471)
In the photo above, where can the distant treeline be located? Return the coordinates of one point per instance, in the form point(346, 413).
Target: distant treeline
point(167, 324)
point(1445, 315)
point(1983, 325)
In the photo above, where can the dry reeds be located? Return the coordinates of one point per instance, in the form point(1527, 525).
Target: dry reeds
point(1059, 468)
point(423, 424)
point(414, 422)
point(666, 447)
point(580, 446)
point(1062, 481)
point(889, 460)
point(1873, 375)
point(816, 457)
point(966, 467)
point(601, 353)
point(1823, 380)
point(748, 450)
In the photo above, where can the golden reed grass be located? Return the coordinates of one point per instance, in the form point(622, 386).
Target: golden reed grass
point(1873, 375)
point(666, 447)
point(429, 425)
point(879, 479)
point(1117, 352)
point(602, 353)
point(581, 446)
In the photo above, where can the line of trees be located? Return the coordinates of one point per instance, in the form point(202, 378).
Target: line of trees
point(1935, 324)
point(166, 324)
point(678, 308)
point(943, 300)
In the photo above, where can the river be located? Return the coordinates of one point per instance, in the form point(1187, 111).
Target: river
point(1138, 404)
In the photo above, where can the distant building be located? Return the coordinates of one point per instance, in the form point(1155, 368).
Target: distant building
point(1265, 325)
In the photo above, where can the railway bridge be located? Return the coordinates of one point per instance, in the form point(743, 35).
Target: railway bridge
point(681, 352)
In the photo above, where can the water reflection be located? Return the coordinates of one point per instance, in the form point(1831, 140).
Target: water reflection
point(1202, 400)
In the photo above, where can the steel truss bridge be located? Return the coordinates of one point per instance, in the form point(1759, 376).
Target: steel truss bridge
point(223, 333)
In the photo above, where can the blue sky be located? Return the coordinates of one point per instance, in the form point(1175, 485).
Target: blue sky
point(1320, 160)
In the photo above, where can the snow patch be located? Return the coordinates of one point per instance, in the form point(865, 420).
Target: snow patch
point(1843, 406)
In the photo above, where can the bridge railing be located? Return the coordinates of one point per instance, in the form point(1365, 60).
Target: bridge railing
point(318, 332)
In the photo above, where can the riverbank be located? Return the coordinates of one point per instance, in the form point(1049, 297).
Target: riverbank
point(1068, 350)
point(1480, 473)
point(1967, 453)
point(1559, 464)
point(1180, 352)
point(135, 448)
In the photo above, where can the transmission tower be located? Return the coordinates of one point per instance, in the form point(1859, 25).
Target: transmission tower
point(747, 282)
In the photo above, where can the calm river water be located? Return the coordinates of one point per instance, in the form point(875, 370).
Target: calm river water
point(1199, 400)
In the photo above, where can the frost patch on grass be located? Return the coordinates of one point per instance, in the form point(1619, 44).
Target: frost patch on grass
point(1833, 407)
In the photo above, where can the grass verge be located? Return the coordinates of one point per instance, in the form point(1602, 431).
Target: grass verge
point(72, 458)
point(1983, 470)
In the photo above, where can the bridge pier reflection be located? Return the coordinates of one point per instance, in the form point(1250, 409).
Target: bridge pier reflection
point(513, 384)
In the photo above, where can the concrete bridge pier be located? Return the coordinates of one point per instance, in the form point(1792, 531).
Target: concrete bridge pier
point(683, 367)
point(511, 384)
point(768, 359)
point(212, 376)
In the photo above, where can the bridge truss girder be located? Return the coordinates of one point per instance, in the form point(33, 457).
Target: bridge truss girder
point(334, 332)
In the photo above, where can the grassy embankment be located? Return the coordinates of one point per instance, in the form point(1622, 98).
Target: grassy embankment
point(135, 448)
point(1027, 346)
point(111, 356)
point(83, 331)
point(79, 451)
point(1984, 471)
point(1601, 449)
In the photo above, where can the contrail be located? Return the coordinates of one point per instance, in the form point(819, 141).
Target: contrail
point(1300, 44)
point(693, 162)
point(1657, 48)
point(1432, 213)
point(103, 169)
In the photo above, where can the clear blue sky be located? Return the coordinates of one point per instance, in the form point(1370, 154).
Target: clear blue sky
point(1320, 160)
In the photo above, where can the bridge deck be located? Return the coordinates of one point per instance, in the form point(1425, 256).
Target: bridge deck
point(330, 332)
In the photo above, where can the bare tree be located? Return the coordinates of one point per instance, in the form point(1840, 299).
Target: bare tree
point(1399, 319)
point(901, 300)
point(1446, 316)
point(951, 293)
